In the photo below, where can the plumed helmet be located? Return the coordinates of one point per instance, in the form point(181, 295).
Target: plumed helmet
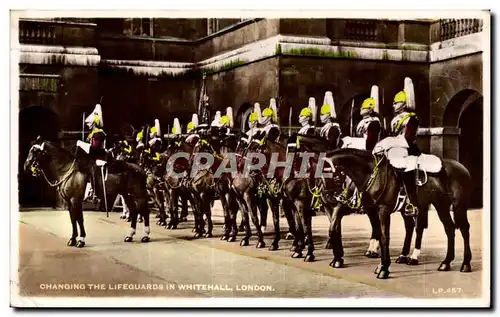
point(95, 118)
point(253, 117)
point(374, 94)
point(306, 112)
point(257, 111)
point(176, 129)
point(400, 97)
point(225, 121)
point(328, 105)
point(229, 114)
point(194, 120)
point(410, 94)
point(156, 128)
point(368, 103)
point(314, 109)
point(274, 108)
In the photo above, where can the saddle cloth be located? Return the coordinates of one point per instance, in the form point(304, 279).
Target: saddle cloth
point(354, 143)
point(84, 146)
point(396, 149)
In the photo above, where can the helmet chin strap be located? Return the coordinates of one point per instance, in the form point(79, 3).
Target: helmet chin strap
point(303, 121)
point(324, 119)
point(399, 107)
point(365, 112)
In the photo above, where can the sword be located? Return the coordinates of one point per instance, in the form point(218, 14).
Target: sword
point(83, 127)
point(290, 122)
point(352, 111)
point(104, 189)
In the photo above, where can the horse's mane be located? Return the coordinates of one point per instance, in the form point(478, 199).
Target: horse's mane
point(60, 150)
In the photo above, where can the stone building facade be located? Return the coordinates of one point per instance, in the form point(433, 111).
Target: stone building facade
point(142, 69)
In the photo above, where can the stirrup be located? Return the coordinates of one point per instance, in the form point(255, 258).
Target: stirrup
point(410, 210)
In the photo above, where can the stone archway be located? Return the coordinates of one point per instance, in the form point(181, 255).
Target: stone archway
point(465, 111)
point(241, 120)
point(35, 121)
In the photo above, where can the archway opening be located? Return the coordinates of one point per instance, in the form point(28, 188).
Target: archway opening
point(241, 120)
point(35, 121)
point(470, 147)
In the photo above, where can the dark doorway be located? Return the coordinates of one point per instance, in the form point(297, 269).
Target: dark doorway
point(35, 121)
point(471, 148)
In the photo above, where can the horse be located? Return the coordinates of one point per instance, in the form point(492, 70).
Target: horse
point(69, 174)
point(379, 183)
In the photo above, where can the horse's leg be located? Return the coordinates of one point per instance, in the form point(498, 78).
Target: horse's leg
point(208, 198)
point(184, 212)
point(299, 232)
point(252, 206)
point(133, 218)
point(143, 210)
point(385, 261)
point(245, 220)
point(329, 211)
point(77, 206)
point(174, 214)
point(161, 206)
point(464, 226)
point(444, 215)
point(421, 225)
point(263, 209)
point(307, 225)
point(373, 249)
point(335, 233)
point(224, 199)
point(275, 209)
point(233, 212)
point(292, 226)
point(74, 229)
point(409, 227)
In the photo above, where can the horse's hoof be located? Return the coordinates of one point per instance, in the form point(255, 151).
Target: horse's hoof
point(297, 255)
point(231, 239)
point(183, 219)
point(402, 259)
point(169, 226)
point(412, 261)
point(337, 263)
point(162, 223)
point(465, 268)
point(293, 248)
point(71, 242)
point(145, 239)
point(128, 219)
point(244, 242)
point(383, 274)
point(208, 235)
point(194, 230)
point(123, 217)
point(197, 235)
point(289, 236)
point(140, 220)
point(80, 244)
point(373, 255)
point(128, 239)
point(157, 216)
point(329, 245)
point(444, 267)
point(224, 238)
point(173, 227)
point(260, 245)
point(309, 258)
point(274, 247)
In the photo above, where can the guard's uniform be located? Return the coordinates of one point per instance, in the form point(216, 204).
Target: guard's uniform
point(369, 127)
point(328, 117)
point(269, 127)
point(307, 117)
point(97, 136)
point(155, 142)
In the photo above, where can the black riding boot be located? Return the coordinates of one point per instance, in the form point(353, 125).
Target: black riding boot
point(410, 185)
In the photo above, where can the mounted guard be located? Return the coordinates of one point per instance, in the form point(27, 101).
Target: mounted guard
point(269, 122)
point(253, 123)
point(328, 117)
point(226, 122)
point(307, 119)
point(401, 148)
point(155, 142)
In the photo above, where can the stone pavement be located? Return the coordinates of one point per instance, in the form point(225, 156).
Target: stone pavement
point(175, 261)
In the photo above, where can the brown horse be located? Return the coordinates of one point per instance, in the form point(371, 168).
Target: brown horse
point(69, 174)
point(378, 181)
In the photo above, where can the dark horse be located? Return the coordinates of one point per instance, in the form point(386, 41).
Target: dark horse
point(379, 183)
point(69, 174)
